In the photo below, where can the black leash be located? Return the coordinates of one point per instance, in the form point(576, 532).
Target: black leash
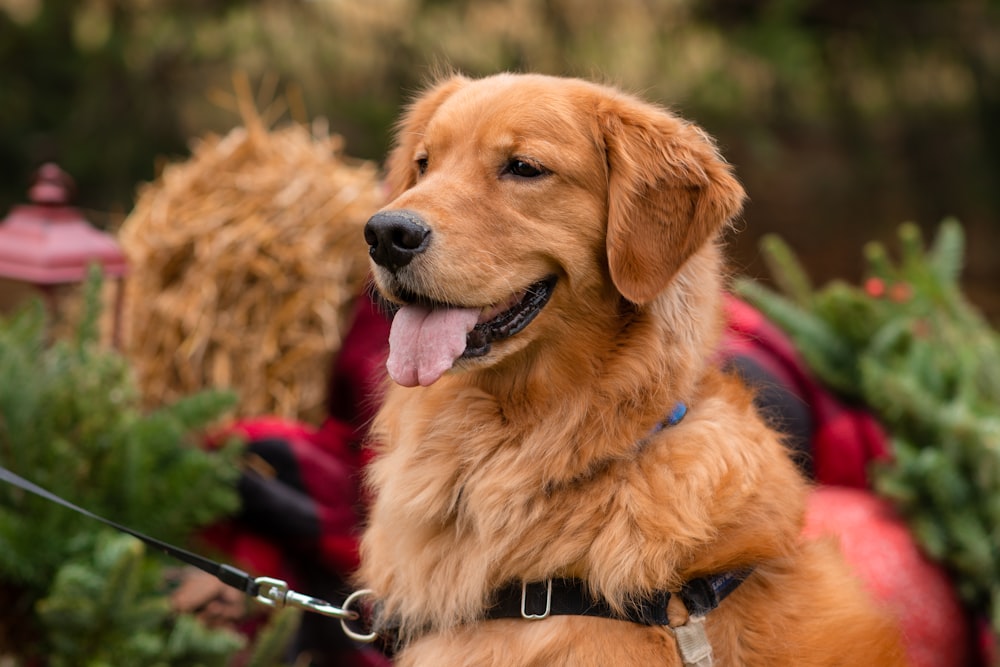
point(267, 591)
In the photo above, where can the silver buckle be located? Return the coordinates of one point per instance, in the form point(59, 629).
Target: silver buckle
point(548, 602)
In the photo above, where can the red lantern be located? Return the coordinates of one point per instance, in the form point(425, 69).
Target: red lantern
point(48, 242)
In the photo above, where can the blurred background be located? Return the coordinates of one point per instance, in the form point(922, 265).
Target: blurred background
point(843, 118)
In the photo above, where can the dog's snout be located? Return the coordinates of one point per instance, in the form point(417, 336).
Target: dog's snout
point(396, 237)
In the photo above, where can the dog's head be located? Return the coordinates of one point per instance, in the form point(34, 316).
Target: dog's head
point(521, 200)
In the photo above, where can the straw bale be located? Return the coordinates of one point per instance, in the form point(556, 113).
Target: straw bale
point(245, 261)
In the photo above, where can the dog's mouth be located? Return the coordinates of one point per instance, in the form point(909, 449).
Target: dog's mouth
point(428, 337)
point(505, 320)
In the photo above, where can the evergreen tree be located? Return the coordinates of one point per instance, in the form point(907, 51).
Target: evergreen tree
point(110, 610)
point(911, 347)
point(73, 592)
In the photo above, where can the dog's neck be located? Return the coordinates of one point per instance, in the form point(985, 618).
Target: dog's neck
point(640, 384)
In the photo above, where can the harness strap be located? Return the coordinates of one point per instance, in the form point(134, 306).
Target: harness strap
point(704, 594)
point(570, 597)
point(674, 418)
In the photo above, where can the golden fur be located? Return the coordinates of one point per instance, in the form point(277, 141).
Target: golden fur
point(532, 461)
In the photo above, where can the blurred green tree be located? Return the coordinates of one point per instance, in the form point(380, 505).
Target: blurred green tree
point(72, 590)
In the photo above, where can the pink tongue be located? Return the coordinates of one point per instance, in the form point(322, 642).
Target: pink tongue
point(424, 343)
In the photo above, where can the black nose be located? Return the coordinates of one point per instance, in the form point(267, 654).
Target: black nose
point(396, 237)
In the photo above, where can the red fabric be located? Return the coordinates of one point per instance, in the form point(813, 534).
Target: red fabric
point(256, 554)
point(916, 590)
point(358, 378)
point(260, 428)
point(846, 438)
point(329, 458)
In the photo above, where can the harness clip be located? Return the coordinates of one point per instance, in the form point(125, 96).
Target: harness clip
point(548, 602)
point(275, 593)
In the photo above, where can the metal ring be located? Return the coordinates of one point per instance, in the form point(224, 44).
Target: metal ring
point(356, 636)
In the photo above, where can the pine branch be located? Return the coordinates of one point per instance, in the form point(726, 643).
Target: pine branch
point(928, 364)
point(787, 271)
point(823, 351)
point(947, 255)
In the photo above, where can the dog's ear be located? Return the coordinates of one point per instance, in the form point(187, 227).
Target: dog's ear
point(401, 172)
point(669, 192)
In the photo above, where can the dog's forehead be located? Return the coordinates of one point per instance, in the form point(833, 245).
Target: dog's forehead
point(511, 111)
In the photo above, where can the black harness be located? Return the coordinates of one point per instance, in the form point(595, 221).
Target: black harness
point(570, 597)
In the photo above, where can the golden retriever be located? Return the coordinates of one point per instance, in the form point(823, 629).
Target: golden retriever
point(552, 247)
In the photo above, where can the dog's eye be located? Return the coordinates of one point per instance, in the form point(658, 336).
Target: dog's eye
point(421, 164)
point(522, 169)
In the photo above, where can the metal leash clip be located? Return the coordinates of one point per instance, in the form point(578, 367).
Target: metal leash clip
point(275, 593)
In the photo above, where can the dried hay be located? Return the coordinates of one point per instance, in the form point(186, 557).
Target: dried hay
point(245, 261)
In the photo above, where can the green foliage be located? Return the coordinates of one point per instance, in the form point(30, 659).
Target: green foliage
point(110, 612)
point(70, 421)
point(909, 345)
